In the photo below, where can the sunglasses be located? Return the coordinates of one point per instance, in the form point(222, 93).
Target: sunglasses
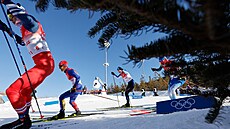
point(61, 66)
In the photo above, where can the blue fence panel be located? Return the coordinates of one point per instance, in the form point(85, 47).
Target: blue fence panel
point(184, 104)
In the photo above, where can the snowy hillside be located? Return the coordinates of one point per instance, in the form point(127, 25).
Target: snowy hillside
point(119, 119)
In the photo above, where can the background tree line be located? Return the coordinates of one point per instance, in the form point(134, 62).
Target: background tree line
point(158, 83)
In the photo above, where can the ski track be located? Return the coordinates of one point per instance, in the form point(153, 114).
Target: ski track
point(119, 119)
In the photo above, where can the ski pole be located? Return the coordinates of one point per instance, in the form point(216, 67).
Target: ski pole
point(116, 93)
point(161, 77)
point(167, 83)
point(22, 60)
point(32, 109)
point(11, 51)
point(105, 97)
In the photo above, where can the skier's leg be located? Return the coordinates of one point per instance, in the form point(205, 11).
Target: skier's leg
point(15, 97)
point(19, 92)
point(44, 66)
point(176, 83)
point(61, 113)
point(73, 103)
point(62, 99)
point(179, 83)
point(127, 96)
point(72, 100)
point(18, 101)
point(128, 89)
point(173, 90)
point(170, 84)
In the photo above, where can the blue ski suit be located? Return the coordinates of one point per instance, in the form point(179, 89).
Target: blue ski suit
point(76, 89)
point(175, 81)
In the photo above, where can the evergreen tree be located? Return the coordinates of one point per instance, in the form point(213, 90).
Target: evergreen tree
point(197, 33)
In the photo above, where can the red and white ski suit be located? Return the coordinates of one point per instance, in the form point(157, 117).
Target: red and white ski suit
point(19, 92)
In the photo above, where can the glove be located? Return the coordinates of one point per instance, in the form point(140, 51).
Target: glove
point(154, 69)
point(113, 73)
point(19, 40)
point(72, 90)
point(182, 78)
point(6, 2)
point(32, 94)
point(3, 26)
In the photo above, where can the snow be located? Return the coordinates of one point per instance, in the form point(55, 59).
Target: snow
point(120, 119)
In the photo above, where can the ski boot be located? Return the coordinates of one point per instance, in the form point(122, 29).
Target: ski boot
point(77, 113)
point(18, 124)
point(60, 115)
point(23, 123)
point(27, 122)
point(126, 105)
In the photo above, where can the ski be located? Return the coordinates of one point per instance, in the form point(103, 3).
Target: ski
point(143, 111)
point(60, 124)
point(140, 112)
point(47, 119)
point(46, 125)
point(123, 108)
point(47, 122)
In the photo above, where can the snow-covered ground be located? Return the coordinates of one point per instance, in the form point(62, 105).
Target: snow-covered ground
point(120, 119)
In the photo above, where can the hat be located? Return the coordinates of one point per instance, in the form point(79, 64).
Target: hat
point(63, 63)
point(119, 68)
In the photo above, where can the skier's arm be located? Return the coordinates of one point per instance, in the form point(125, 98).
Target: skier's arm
point(100, 81)
point(156, 69)
point(5, 28)
point(28, 21)
point(115, 74)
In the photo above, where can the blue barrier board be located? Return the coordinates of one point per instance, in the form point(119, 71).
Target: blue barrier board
point(184, 104)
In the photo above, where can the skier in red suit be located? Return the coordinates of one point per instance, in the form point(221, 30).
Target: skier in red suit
point(19, 92)
point(175, 81)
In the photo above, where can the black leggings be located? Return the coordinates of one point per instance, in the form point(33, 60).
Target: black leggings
point(128, 89)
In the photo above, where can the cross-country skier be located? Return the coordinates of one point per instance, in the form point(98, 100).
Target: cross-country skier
point(127, 78)
point(19, 92)
point(75, 90)
point(99, 85)
point(175, 81)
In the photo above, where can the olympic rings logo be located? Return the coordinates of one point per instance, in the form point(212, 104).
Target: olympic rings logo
point(183, 103)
